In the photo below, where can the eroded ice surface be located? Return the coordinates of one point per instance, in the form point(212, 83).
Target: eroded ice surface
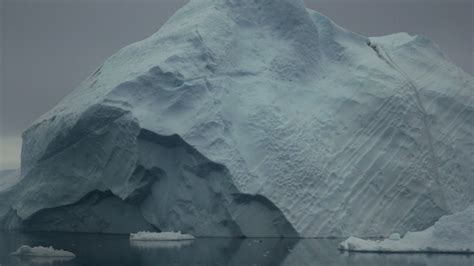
point(254, 118)
point(451, 234)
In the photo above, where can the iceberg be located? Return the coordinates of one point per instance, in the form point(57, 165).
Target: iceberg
point(253, 118)
point(451, 234)
point(40, 251)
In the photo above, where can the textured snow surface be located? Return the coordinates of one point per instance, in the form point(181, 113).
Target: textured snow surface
point(258, 118)
point(162, 236)
point(40, 251)
point(452, 233)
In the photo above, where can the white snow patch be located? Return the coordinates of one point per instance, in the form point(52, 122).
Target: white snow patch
point(396, 39)
point(394, 236)
point(40, 251)
point(163, 236)
point(451, 234)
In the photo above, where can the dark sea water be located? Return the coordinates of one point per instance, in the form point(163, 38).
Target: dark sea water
point(117, 250)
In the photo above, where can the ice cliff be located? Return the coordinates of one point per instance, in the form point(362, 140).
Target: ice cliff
point(255, 118)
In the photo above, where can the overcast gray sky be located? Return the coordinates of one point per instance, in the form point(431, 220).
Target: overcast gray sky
point(48, 46)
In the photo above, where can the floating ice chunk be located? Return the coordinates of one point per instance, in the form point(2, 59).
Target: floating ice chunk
point(40, 251)
point(450, 234)
point(163, 236)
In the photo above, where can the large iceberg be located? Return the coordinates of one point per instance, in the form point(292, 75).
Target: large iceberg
point(253, 118)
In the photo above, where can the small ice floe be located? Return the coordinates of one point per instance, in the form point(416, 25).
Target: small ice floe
point(450, 234)
point(42, 252)
point(163, 236)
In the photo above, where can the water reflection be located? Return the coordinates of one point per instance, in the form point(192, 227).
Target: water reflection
point(221, 251)
point(150, 245)
point(94, 249)
point(41, 260)
point(325, 252)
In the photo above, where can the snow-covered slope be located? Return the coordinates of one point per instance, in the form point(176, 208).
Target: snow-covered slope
point(238, 115)
point(451, 234)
